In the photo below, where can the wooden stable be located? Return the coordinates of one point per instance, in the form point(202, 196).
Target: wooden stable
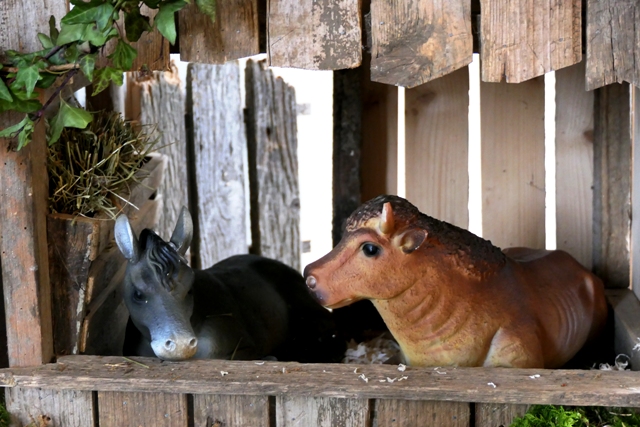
point(426, 47)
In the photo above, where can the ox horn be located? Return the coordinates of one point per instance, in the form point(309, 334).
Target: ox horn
point(386, 219)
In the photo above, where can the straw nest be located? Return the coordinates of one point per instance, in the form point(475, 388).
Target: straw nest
point(92, 170)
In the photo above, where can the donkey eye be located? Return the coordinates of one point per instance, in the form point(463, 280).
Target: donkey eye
point(138, 296)
point(370, 250)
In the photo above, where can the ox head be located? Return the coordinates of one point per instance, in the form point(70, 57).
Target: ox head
point(372, 261)
point(157, 287)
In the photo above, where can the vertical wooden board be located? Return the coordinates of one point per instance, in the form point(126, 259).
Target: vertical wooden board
point(612, 185)
point(218, 137)
point(68, 408)
point(162, 108)
point(417, 41)
point(118, 409)
point(273, 165)
point(498, 414)
point(233, 35)
point(523, 39)
point(408, 413)
point(574, 164)
point(21, 21)
point(437, 145)
point(229, 410)
point(635, 196)
point(613, 42)
point(318, 35)
point(513, 188)
point(321, 412)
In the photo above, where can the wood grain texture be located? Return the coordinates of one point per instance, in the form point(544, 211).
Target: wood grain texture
point(408, 413)
point(626, 307)
point(322, 412)
point(225, 410)
point(417, 41)
point(118, 409)
point(318, 35)
point(635, 195)
point(523, 39)
point(218, 207)
point(612, 185)
point(497, 415)
point(273, 165)
point(68, 408)
point(574, 164)
point(613, 43)
point(437, 145)
point(513, 187)
point(233, 35)
point(162, 107)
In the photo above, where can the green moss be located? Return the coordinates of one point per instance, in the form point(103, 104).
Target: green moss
point(5, 419)
point(570, 416)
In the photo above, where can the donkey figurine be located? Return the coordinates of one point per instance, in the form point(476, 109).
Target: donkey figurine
point(244, 307)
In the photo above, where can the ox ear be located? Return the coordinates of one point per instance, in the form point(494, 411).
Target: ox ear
point(183, 233)
point(126, 239)
point(386, 225)
point(412, 239)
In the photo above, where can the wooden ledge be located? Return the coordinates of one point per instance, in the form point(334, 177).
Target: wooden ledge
point(524, 386)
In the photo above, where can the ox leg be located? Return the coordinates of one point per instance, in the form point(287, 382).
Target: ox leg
point(511, 349)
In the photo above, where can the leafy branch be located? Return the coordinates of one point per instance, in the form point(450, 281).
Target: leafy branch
point(74, 48)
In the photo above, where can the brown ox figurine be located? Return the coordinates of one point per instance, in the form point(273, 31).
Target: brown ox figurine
point(452, 298)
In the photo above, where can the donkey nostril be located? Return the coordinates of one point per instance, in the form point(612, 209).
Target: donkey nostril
point(193, 342)
point(311, 282)
point(169, 345)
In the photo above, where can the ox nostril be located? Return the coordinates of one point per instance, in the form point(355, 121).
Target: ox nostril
point(193, 342)
point(311, 282)
point(169, 345)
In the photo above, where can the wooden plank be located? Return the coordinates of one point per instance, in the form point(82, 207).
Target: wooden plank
point(273, 165)
point(117, 409)
point(233, 35)
point(419, 40)
point(36, 407)
point(437, 146)
point(221, 410)
point(322, 412)
point(347, 143)
point(513, 187)
point(214, 111)
point(407, 413)
point(574, 164)
point(612, 185)
point(613, 48)
point(626, 324)
point(162, 107)
point(318, 35)
point(635, 195)
point(524, 39)
point(497, 415)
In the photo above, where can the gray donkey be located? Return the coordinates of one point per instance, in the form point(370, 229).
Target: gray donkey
point(244, 307)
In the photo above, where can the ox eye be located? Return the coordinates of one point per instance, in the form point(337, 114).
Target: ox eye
point(370, 250)
point(138, 296)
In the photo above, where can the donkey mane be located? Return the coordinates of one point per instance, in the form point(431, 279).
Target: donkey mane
point(161, 256)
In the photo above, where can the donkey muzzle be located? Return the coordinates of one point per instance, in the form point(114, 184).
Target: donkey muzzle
point(175, 347)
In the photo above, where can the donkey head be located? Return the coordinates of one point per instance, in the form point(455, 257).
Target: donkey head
point(157, 286)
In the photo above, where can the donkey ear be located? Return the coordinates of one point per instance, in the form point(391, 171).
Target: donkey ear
point(412, 239)
point(183, 233)
point(126, 239)
point(386, 224)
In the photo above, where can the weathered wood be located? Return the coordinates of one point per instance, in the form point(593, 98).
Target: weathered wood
point(419, 40)
point(273, 165)
point(223, 410)
point(36, 407)
point(347, 142)
point(214, 111)
point(162, 107)
point(613, 43)
point(233, 35)
point(497, 415)
point(524, 39)
point(322, 412)
point(437, 141)
point(635, 196)
point(612, 185)
point(117, 409)
point(574, 164)
point(407, 413)
point(318, 35)
point(626, 324)
point(513, 185)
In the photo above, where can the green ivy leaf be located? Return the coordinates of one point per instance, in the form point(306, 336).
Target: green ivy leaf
point(53, 31)
point(45, 41)
point(123, 55)
point(96, 11)
point(68, 117)
point(165, 20)
point(103, 76)
point(11, 131)
point(20, 105)
point(153, 4)
point(208, 7)
point(87, 65)
point(71, 33)
point(4, 92)
point(28, 77)
point(135, 24)
point(24, 137)
point(98, 38)
point(71, 53)
point(47, 80)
